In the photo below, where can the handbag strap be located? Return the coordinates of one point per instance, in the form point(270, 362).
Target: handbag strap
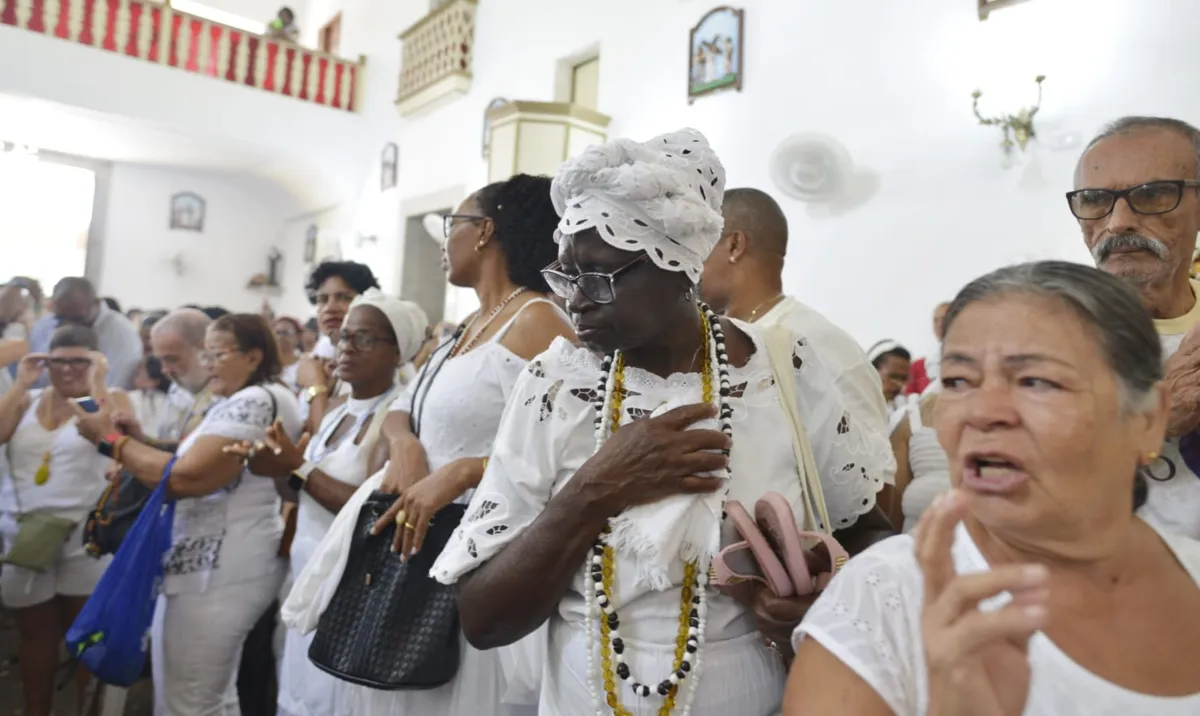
point(778, 342)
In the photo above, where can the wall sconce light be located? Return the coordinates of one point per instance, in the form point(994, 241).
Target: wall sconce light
point(1017, 128)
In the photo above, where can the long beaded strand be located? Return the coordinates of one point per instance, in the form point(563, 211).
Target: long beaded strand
point(693, 597)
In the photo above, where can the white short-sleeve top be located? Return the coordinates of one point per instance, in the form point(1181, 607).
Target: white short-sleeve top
point(547, 433)
point(233, 534)
point(870, 619)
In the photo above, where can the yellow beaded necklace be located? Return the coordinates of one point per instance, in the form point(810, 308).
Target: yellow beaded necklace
point(607, 564)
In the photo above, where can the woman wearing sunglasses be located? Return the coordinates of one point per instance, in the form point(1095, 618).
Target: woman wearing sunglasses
point(439, 433)
point(54, 471)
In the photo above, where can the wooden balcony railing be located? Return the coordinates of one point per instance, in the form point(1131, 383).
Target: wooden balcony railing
point(436, 57)
point(155, 33)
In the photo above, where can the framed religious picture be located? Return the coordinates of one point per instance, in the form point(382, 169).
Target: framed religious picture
point(715, 52)
point(987, 6)
point(187, 211)
point(388, 165)
point(310, 244)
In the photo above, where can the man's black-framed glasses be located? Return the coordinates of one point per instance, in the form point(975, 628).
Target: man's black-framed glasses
point(597, 286)
point(1150, 199)
point(448, 221)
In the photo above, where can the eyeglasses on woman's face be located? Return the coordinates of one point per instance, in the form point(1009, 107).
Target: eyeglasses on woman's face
point(1150, 199)
point(449, 221)
point(362, 341)
point(597, 286)
point(60, 363)
point(211, 358)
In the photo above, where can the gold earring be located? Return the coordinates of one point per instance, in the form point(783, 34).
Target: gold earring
point(479, 247)
point(732, 260)
point(1151, 457)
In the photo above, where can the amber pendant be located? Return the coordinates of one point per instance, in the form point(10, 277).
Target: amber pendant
point(42, 476)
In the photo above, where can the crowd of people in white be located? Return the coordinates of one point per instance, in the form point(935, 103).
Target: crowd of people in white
point(642, 479)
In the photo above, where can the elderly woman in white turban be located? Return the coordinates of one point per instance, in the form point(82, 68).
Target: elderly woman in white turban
point(607, 534)
point(379, 334)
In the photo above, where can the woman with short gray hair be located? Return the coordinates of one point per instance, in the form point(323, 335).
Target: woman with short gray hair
point(1033, 587)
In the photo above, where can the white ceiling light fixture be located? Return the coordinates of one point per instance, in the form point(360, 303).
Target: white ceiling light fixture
point(811, 167)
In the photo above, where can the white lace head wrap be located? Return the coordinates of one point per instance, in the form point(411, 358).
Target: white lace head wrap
point(407, 318)
point(662, 197)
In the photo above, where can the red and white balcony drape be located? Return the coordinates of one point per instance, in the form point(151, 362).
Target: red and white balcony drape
point(153, 32)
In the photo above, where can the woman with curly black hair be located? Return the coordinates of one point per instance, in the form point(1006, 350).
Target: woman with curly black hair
point(440, 431)
point(331, 287)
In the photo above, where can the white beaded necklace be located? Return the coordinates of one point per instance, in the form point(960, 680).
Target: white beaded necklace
point(465, 345)
point(599, 605)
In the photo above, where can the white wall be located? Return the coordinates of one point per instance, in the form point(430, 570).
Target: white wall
point(245, 219)
point(202, 120)
point(891, 80)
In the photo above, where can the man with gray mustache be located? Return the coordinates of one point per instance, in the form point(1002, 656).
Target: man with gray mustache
point(1137, 199)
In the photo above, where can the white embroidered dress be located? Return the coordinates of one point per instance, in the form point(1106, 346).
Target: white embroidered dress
point(870, 619)
point(548, 433)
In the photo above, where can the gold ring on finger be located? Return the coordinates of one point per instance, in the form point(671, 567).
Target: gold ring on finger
point(400, 517)
point(409, 526)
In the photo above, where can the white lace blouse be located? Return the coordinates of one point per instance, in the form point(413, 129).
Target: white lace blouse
point(547, 433)
point(870, 619)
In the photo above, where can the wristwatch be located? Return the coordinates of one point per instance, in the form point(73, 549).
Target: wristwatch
point(108, 445)
point(300, 475)
point(314, 391)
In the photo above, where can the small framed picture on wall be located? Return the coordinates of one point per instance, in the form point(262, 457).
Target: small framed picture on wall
point(389, 164)
point(187, 211)
point(715, 52)
point(310, 244)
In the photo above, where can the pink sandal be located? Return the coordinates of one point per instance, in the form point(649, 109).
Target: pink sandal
point(738, 566)
point(809, 571)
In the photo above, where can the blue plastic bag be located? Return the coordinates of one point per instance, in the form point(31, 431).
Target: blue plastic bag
point(110, 637)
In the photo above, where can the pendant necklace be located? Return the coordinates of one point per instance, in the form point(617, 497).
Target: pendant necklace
point(770, 301)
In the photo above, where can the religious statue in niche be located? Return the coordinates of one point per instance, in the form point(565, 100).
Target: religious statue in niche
point(715, 52)
point(988, 6)
point(310, 244)
point(270, 279)
point(487, 123)
point(388, 165)
point(187, 211)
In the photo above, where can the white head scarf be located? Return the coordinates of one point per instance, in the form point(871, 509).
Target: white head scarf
point(407, 319)
point(662, 197)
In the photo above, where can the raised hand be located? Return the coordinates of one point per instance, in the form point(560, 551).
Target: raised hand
point(30, 369)
point(978, 661)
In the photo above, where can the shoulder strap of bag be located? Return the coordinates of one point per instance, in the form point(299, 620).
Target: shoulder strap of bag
point(778, 342)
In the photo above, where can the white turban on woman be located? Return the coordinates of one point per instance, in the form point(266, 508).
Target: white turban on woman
point(407, 319)
point(662, 197)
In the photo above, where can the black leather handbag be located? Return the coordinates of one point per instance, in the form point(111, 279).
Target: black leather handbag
point(390, 626)
point(114, 515)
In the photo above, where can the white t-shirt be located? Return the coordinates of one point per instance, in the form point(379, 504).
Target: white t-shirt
point(233, 534)
point(870, 619)
point(1174, 497)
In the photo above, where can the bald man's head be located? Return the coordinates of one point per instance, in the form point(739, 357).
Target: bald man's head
point(758, 216)
point(749, 257)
